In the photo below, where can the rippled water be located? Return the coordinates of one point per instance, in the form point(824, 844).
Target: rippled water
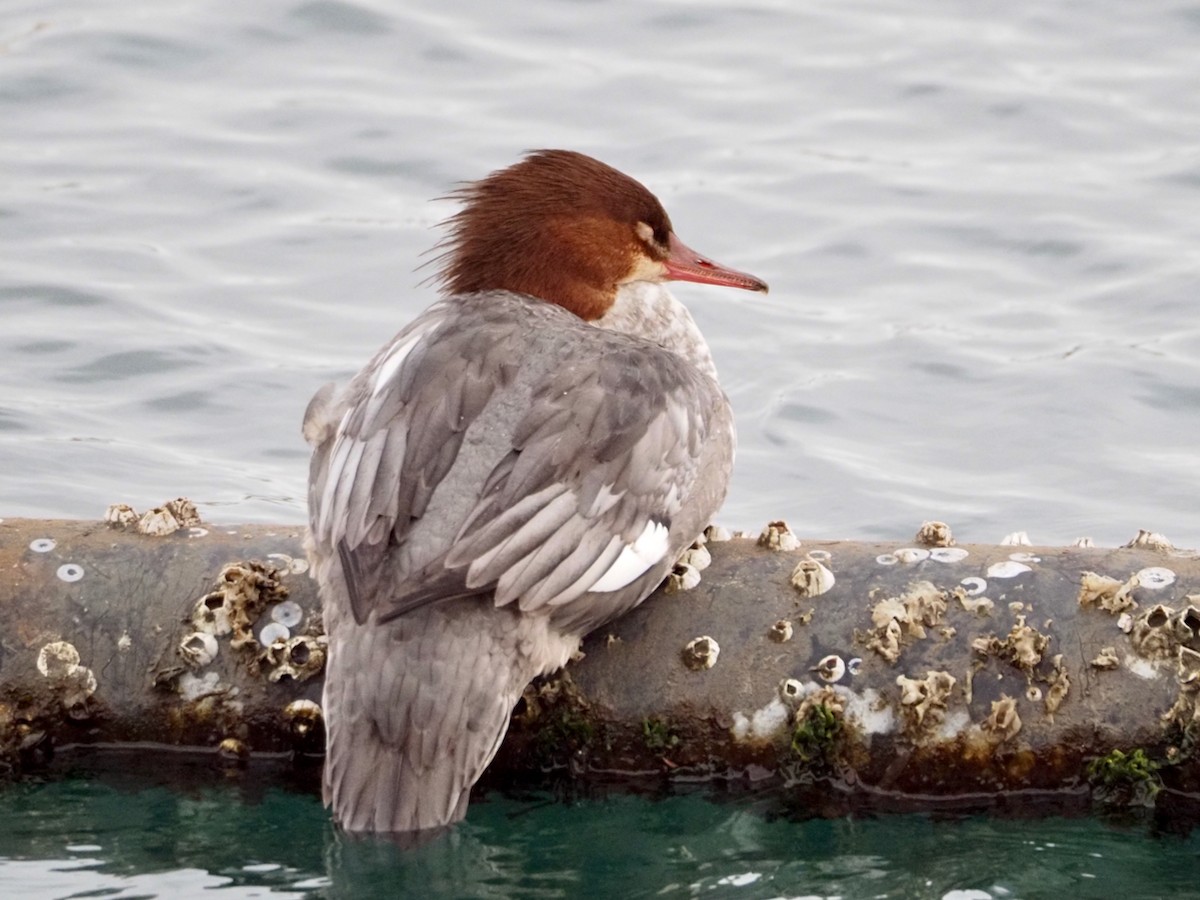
point(979, 222)
point(128, 838)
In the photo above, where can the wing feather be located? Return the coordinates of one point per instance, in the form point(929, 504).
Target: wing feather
point(555, 588)
point(513, 546)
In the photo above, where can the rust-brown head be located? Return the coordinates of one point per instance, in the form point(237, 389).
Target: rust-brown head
point(569, 229)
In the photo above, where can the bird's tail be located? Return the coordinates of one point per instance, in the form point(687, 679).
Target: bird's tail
point(416, 709)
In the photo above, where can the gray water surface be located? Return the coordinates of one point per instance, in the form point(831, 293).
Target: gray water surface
point(980, 224)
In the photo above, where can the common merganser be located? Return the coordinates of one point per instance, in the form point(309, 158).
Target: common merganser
point(520, 465)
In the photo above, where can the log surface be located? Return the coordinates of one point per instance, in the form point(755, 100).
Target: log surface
point(926, 672)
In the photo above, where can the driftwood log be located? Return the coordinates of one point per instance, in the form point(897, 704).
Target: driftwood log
point(918, 670)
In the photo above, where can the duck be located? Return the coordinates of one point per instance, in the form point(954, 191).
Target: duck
point(520, 465)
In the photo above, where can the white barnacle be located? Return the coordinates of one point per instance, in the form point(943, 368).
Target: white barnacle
point(831, 668)
point(696, 556)
point(70, 572)
point(811, 578)
point(781, 631)
point(194, 687)
point(791, 690)
point(303, 716)
point(701, 653)
point(948, 554)
point(1151, 540)
point(298, 658)
point(121, 515)
point(683, 577)
point(935, 534)
point(272, 632)
point(158, 522)
point(199, 649)
point(1155, 578)
point(1007, 569)
point(59, 662)
point(289, 613)
point(57, 659)
point(293, 565)
point(974, 585)
point(716, 534)
point(778, 536)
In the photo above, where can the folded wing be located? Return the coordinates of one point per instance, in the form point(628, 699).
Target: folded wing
point(515, 451)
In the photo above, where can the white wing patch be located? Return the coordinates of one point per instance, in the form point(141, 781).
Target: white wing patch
point(391, 363)
point(635, 559)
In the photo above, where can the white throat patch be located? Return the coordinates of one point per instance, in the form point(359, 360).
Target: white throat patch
point(648, 310)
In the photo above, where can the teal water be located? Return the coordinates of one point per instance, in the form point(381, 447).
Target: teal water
point(128, 837)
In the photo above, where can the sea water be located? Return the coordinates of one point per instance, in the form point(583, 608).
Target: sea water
point(140, 836)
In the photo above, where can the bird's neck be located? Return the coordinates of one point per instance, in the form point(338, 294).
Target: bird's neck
point(649, 311)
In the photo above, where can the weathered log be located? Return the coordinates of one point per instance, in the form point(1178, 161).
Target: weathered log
point(946, 672)
point(109, 636)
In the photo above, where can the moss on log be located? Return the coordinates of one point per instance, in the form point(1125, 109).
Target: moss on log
point(893, 668)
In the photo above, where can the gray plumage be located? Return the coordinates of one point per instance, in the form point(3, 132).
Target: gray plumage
point(497, 462)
